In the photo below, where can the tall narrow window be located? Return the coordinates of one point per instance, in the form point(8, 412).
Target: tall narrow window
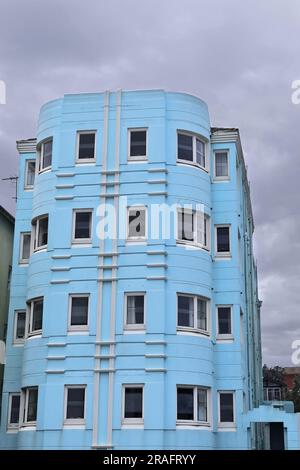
point(46, 155)
point(223, 240)
point(135, 311)
point(193, 228)
point(192, 404)
point(82, 226)
point(40, 232)
point(192, 313)
point(137, 144)
point(221, 165)
point(25, 238)
point(31, 403)
point(13, 410)
point(86, 143)
point(224, 321)
point(29, 174)
point(226, 408)
point(36, 316)
point(75, 404)
point(133, 403)
point(79, 308)
point(136, 223)
point(191, 149)
point(19, 326)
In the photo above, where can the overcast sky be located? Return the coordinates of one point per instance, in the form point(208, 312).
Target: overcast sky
point(239, 56)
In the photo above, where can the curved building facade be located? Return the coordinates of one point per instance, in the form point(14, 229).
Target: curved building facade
point(134, 316)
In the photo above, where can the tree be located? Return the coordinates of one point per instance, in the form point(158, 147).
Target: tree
point(294, 394)
point(273, 375)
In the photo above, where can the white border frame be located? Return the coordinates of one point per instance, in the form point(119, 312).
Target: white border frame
point(25, 396)
point(230, 425)
point(137, 239)
point(82, 161)
point(137, 326)
point(13, 426)
point(137, 422)
point(194, 163)
point(81, 241)
point(221, 178)
point(193, 423)
point(35, 233)
point(29, 187)
point(72, 421)
point(196, 330)
point(18, 341)
point(222, 254)
point(228, 336)
point(137, 158)
point(24, 260)
point(78, 328)
point(30, 317)
point(40, 147)
point(194, 243)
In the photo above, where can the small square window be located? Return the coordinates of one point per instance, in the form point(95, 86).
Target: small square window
point(135, 311)
point(224, 321)
point(86, 146)
point(137, 144)
point(133, 404)
point(75, 404)
point(223, 240)
point(221, 165)
point(25, 240)
point(82, 226)
point(14, 410)
point(20, 326)
point(192, 404)
point(29, 174)
point(79, 308)
point(136, 223)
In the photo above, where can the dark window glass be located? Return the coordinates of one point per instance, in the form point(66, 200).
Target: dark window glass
point(226, 408)
point(135, 309)
point(43, 232)
point(221, 162)
point(75, 403)
point(200, 152)
point(202, 314)
point(224, 320)
point(30, 174)
point(223, 244)
point(25, 254)
point(185, 147)
point(32, 404)
point(185, 403)
point(138, 143)
point(83, 225)
point(86, 146)
point(201, 404)
point(20, 327)
point(185, 226)
point(47, 154)
point(185, 311)
point(79, 311)
point(14, 409)
point(37, 315)
point(133, 407)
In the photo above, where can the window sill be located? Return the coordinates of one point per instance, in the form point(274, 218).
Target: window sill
point(34, 335)
point(40, 248)
point(12, 430)
point(137, 330)
point(137, 159)
point(28, 427)
point(194, 331)
point(19, 343)
point(73, 424)
point(136, 241)
point(224, 338)
point(138, 423)
point(23, 263)
point(87, 161)
point(231, 427)
point(222, 256)
point(28, 188)
point(83, 331)
point(192, 245)
point(45, 170)
point(192, 164)
point(81, 244)
point(192, 425)
point(226, 179)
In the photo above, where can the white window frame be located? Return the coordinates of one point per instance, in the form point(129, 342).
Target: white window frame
point(194, 329)
point(30, 317)
point(137, 326)
point(24, 260)
point(133, 421)
point(194, 162)
point(229, 424)
point(137, 239)
point(35, 233)
point(85, 160)
point(222, 254)
point(195, 242)
point(221, 178)
point(40, 146)
point(195, 422)
point(24, 404)
point(73, 421)
point(81, 241)
point(13, 426)
point(28, 187)
point(20, 341)
point(136, 158)
point(78, 328)
point(219, 335)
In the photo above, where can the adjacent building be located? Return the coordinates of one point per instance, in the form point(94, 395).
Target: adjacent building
point(134, 318)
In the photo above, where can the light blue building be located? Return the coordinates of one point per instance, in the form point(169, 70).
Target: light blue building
point(147, 337)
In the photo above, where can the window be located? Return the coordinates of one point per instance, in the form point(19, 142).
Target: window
point(192, 313)
point(40, 232)
point(20, 326)
point(135, 311)
point(45, 157)
point(86, 145)
point(226, 408)
point(192, 404)
point(223, 240)
point(191, 149)
point(137, 143)
point(133, 404)
point(136, 223)
point(193, 228)
point(14, 410)
point(82, 226)
point(25, 238)
point(35, 316)
point(79, 310)
point(30, 395)
point(29, 174)
point(224, 321)
point(75, 404)
point(221, 165)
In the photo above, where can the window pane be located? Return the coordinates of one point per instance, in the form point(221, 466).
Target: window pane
point(224, 320)
point(47, 154)
point(133, 402)
point(226, 407)
point(43, 232)
point(185, 403)
point(138, 143)
point(202, 314)
point(200, 152)
point(223, 245)
point(135, 309)
point(14, 410)
point(30, 174)
point(79, 311)
point(185, 311)
point(25, 254)
point(185, 226)
point(185, 147)
point(75, 403)
point(86, 146)
point(137, 221)
point(32, 404)
point(82, 225)
point(202, 229)
point(201, 404)
point(37, 315)
point(221, 162)
point(20, 327)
